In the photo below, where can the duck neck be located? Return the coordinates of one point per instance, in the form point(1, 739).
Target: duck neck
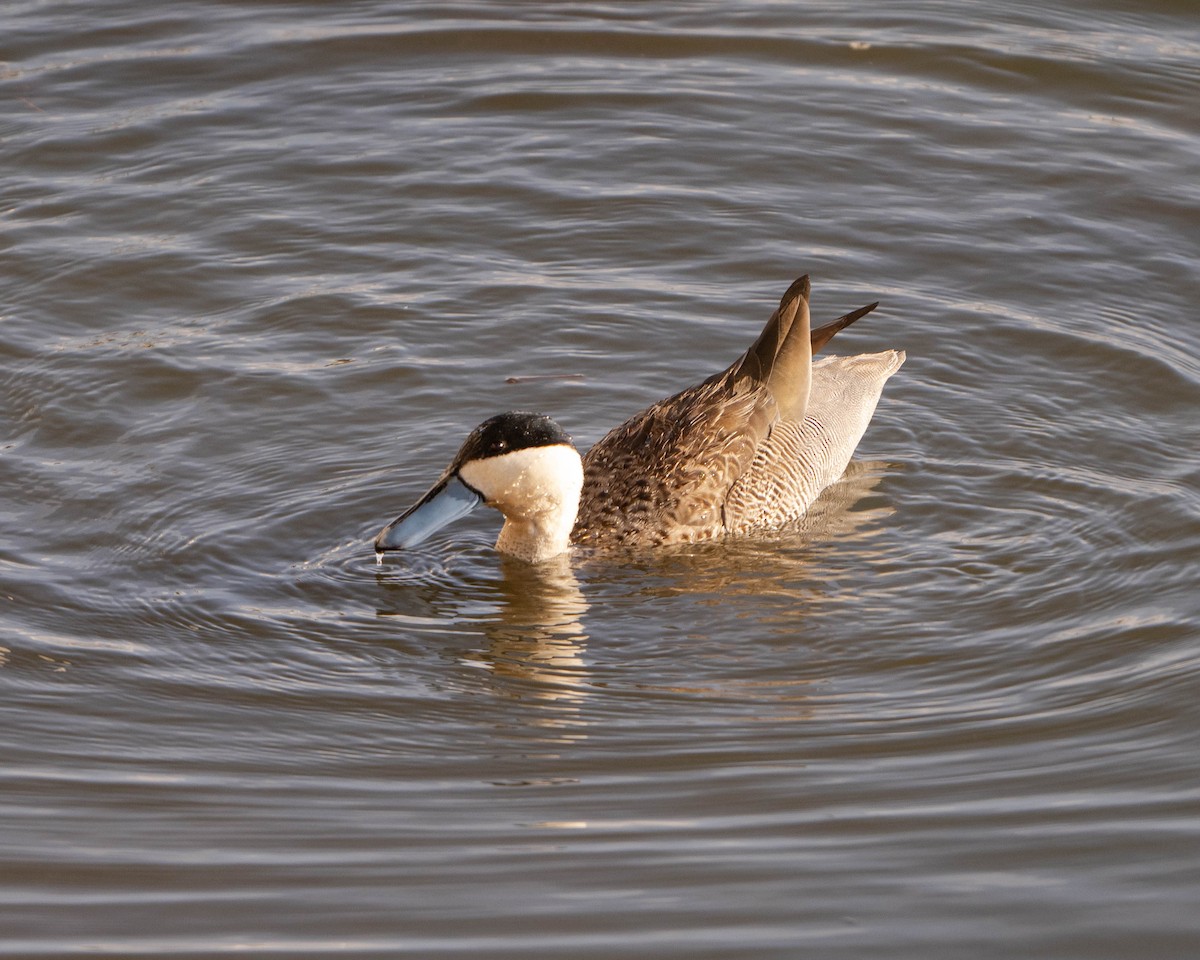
point(537, 537)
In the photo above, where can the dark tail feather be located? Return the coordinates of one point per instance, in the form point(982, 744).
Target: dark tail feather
point(822, 335)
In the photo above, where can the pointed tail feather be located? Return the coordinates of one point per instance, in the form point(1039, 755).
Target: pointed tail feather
point(822, 335)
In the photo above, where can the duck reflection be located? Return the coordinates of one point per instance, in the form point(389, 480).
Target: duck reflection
point(530, 617)
point(536, 638)
point(533, 617)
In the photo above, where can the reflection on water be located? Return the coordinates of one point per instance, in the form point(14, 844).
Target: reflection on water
point(536, 636)
point(532, 619)
point(529, 618)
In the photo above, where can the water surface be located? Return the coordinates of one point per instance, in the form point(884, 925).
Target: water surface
point(267, 263)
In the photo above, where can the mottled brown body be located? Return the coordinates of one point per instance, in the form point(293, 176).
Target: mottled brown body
point(731, 454)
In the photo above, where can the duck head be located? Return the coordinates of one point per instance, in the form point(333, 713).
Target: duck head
point(522, 464)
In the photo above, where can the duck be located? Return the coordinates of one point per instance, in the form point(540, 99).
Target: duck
point(748, 449)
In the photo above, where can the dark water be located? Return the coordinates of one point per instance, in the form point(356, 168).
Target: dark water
point(265, 264)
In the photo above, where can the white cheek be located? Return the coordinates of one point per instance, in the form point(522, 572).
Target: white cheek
point(535, 479)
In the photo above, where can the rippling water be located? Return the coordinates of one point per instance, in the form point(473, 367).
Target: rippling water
point(266, 263)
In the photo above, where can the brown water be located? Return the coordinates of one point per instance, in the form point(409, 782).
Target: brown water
point(266, 263)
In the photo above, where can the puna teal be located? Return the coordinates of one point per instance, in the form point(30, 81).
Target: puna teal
point(750, 448)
